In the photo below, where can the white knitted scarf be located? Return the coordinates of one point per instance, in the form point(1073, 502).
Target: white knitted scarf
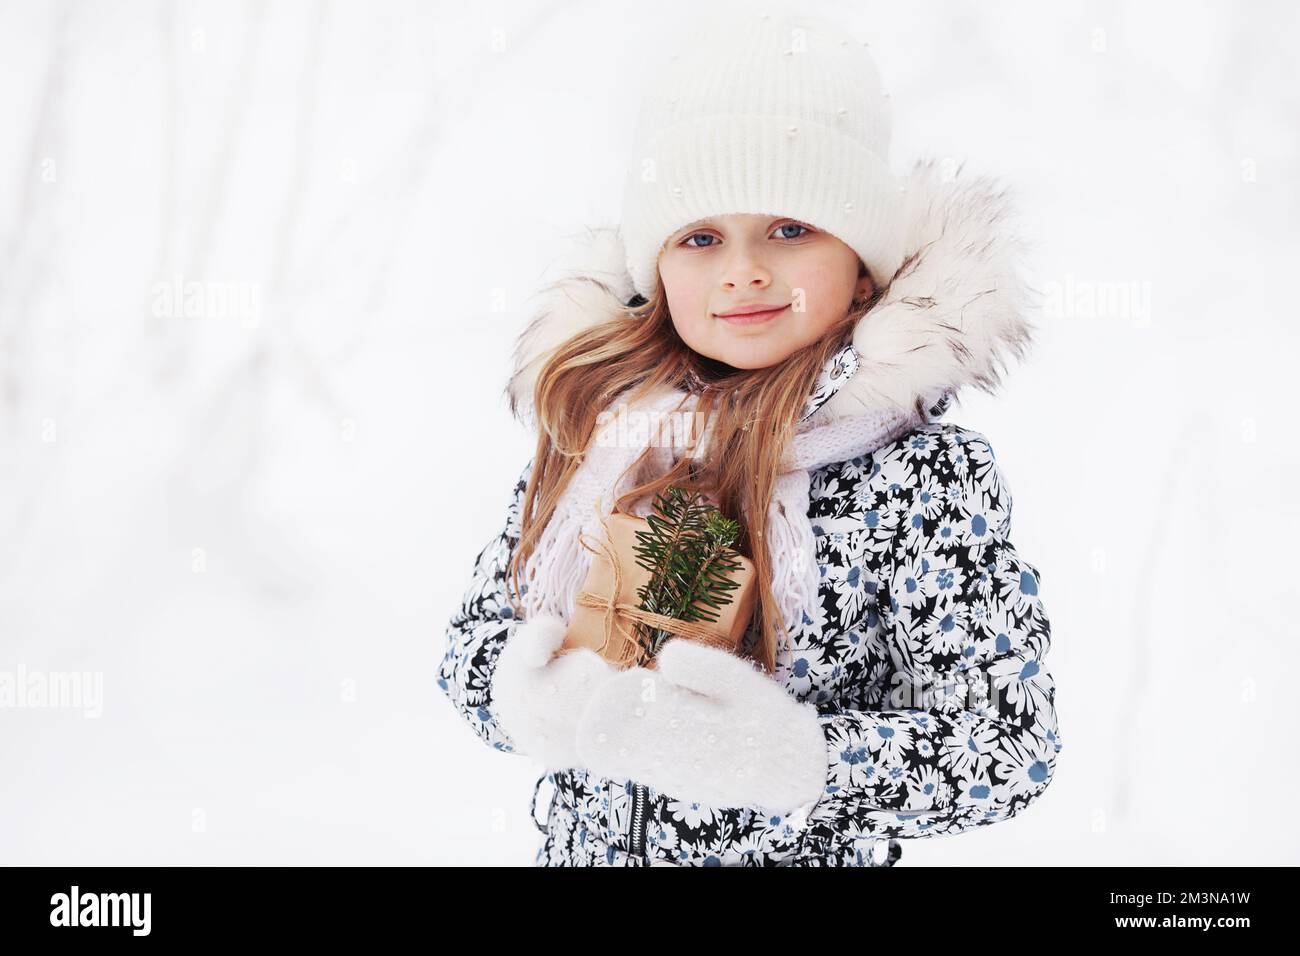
point(559, 564)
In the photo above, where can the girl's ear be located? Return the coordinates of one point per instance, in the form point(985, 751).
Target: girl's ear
point(865, 287)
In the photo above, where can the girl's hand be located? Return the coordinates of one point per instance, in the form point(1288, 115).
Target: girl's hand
point(708, 727)
point(538, 697)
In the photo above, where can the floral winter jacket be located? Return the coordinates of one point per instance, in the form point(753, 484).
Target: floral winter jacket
point(925, 655)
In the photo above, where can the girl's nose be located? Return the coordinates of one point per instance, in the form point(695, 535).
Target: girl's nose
point(745, 271)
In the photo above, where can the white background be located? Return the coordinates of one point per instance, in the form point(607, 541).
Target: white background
point(255, 532)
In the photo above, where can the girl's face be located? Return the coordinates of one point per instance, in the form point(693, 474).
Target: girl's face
point(716, 268)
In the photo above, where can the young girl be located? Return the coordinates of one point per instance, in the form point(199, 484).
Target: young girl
point(775, 281)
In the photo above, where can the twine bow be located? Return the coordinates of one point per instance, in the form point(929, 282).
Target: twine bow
point(617, 612)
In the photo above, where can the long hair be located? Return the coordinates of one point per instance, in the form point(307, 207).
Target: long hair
point(754, 413)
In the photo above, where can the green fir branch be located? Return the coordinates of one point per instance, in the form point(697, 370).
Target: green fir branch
point(687, 548)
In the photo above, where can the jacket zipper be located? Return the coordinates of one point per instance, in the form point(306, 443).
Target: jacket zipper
point(638, 820)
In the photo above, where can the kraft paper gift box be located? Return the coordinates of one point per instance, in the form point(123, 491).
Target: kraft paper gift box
point(608, 606)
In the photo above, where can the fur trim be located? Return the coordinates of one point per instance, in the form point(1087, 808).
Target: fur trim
point(593, 286)
point(955, 309)
point(951, 317)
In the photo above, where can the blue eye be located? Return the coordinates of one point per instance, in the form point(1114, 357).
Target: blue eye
point(792, 225)
point(697, 235)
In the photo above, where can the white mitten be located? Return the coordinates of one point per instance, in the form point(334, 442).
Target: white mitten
point(706, 726)
point(537, 697)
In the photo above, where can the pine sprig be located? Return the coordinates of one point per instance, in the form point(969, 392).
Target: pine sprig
point(687, 548)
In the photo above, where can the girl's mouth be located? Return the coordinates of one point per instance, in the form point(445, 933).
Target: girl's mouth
point(753, 318)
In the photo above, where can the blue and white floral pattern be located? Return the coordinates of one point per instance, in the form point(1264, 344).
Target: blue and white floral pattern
point(924, 658)
point(834, 374)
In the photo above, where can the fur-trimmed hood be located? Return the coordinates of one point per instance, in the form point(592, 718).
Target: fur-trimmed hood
point(951, 316)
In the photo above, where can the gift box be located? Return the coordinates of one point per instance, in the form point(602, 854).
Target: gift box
point(608, 605)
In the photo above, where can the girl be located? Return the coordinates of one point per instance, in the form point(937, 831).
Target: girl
point(815, 316)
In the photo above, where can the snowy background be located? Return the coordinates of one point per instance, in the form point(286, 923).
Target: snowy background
point(251, 525)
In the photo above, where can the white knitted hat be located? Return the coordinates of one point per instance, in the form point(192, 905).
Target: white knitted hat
point(762, 113)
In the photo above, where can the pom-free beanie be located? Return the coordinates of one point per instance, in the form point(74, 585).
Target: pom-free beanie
point(771, 114)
